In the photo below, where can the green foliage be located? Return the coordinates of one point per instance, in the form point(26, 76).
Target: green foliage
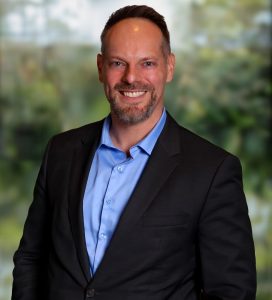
point(225, 97)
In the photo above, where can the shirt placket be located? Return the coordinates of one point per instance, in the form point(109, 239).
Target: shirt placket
point(107, 214)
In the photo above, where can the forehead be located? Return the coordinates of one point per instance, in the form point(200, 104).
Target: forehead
point(134, 33)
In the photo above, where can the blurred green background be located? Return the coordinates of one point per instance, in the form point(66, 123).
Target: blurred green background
point(221, 90)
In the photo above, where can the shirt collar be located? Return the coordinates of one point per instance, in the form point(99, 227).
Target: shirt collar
point(147, 144)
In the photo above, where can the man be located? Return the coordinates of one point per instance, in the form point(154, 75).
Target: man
point(136, 207)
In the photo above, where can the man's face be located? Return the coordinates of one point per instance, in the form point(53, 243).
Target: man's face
point(134, 69)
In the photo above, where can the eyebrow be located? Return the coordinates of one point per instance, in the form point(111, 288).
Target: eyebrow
point(148, 58)
point(141, 59)
point(116, 57)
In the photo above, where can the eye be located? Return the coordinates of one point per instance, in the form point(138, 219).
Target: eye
point(116, 64)
point(149, 64)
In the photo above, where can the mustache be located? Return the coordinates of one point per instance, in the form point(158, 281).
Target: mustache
point(135, 86)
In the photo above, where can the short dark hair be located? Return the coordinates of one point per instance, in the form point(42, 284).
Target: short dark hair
point(137, 11)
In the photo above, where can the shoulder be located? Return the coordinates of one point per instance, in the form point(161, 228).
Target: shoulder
point(70, 139)
point(194, 147)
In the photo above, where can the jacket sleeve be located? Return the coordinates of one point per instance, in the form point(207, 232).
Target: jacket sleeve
point(225, 238)
point(30, 259)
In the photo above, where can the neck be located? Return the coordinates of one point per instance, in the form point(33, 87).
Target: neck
point(124, 135)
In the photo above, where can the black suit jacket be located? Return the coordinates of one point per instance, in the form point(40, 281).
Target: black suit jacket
point(184, 234)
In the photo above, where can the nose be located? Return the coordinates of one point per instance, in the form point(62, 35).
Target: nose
point(131, 74)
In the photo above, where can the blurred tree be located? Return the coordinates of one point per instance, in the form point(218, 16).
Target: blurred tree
point(224, 82)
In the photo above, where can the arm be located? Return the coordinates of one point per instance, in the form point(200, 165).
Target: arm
point(30, 260)
point(225, 238)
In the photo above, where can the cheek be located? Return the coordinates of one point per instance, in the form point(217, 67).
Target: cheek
point(158, 85)
point(157, 78)
point(111, 78)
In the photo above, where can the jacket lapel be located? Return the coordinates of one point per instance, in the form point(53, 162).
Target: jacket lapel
point(162, 162)
point(82, 159)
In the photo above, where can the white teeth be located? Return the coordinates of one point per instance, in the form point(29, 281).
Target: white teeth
point(133, 94)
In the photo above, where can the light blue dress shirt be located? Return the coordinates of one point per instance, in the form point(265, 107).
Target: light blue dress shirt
point(112, 179)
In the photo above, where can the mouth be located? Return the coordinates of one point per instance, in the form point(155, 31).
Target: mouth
point(132, 94)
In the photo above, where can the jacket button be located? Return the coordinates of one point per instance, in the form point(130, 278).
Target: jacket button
point(90, 293)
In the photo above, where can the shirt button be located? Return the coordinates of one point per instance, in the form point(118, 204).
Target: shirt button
point(102, 236)
point(120, 169)
point(90, 293)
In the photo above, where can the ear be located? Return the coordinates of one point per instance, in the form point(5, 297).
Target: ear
point(171, 62)
point(99, 62)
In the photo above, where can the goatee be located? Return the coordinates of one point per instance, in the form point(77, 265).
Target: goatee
point(131, 113)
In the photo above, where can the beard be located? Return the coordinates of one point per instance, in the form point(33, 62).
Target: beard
point(133, 113)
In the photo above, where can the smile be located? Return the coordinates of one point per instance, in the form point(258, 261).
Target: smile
point(133, 94)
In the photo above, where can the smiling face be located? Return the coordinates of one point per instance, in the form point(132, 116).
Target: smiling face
point(134, 69)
